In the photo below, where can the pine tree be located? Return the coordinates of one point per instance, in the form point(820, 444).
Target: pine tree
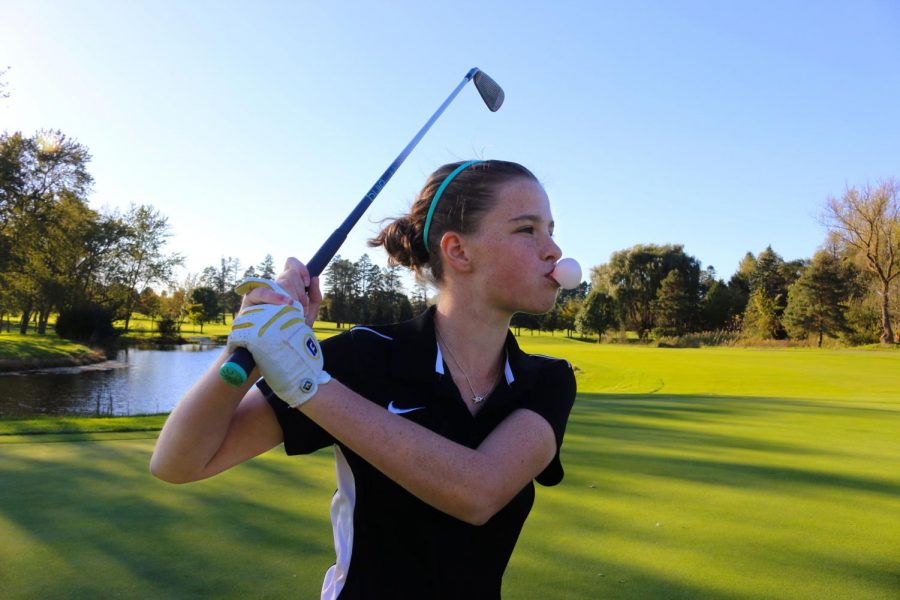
point(720, 307)
point(817, 302)
point(340, 285)
point(768, 296)
point(266, 268)
point(673, 308)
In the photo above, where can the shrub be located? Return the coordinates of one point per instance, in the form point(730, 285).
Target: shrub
point(699, 339)
point(168, 327)
point(85, 323)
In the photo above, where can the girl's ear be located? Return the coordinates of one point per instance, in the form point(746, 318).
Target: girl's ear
point(453, 250)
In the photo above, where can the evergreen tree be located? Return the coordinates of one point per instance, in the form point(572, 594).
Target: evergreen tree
point(419, 299)
point(768, 296)
point(817, 302)
point(673, 308)
point(223, 279)
point(720, 307)
point(367, 291)
point(768, 275)
point(340, 286)
point(739, 284)
point(391, 279)
point(266, 268)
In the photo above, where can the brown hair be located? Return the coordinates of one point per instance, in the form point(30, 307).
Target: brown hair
point(464, 201)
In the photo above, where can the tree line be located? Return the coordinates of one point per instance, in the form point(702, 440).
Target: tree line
point(59, 256)
point(89, 267)
point(848, 290)
point(203, 297)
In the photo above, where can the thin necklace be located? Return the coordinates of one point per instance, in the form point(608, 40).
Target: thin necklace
point(476, 397)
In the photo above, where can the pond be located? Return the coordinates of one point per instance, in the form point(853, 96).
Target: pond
point(134, 381)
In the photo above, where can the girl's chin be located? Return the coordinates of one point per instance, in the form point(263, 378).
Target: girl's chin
point(534, 302)
point(538, 307)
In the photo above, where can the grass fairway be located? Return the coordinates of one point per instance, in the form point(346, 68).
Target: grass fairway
point(722, 473)
point(711, 473)
point(32, 345)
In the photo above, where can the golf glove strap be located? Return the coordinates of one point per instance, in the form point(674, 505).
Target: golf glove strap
point(251, 283)
point(285, 348)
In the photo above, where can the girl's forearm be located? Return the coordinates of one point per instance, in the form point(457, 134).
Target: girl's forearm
point(469, 484)
point(197, 427)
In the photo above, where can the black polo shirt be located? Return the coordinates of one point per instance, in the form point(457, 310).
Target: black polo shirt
point(390, 544)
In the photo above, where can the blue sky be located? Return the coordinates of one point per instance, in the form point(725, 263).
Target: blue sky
point(256, 126)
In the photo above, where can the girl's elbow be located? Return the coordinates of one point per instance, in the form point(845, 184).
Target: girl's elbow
point(478, 517)
point(160, 472)
point(477, 508)
point(167, 473)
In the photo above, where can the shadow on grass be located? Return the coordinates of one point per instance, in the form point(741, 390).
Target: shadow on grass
point(757, 498)
point(734, 441)
point(87, 520)
point(725, 498)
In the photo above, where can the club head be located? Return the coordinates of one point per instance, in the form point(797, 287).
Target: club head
point(491, 93)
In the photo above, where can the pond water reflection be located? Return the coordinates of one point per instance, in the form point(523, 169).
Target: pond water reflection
point(134, 381)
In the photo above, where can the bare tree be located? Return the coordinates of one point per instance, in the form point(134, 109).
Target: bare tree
point(3, 92)
point(867, 223)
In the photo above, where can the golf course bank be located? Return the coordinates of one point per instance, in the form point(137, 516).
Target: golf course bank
point(28, 352)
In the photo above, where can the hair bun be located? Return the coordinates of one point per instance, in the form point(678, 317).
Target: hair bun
point(402, 240)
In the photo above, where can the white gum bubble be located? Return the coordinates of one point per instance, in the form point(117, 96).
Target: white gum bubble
point(567, 273)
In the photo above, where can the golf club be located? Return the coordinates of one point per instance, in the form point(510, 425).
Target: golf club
point(238, 367)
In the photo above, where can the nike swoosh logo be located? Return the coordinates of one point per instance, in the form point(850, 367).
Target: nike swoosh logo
point(401, 411)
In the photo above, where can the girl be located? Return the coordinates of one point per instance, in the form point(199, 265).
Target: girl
point(439, 424)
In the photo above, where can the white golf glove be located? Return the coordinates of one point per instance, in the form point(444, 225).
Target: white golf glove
point(284, 347)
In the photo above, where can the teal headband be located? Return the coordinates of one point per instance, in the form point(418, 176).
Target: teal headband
point(437, 196)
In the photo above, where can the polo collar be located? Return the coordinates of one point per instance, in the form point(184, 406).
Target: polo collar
point(439, 365)
point(418, 357)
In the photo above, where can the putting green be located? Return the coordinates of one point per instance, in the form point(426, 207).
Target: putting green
point(711, 473)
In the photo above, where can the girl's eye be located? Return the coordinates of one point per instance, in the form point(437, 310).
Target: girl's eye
point(528, 229)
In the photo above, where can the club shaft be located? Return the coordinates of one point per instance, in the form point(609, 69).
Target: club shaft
point(333, 243)
point(241, 361)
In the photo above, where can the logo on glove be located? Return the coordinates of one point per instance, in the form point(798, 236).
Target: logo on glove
point(306, 385)
point(311, 346)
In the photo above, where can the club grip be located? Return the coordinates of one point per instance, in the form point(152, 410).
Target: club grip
point(236, 370)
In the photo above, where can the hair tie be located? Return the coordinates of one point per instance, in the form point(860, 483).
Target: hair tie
point(440, 191)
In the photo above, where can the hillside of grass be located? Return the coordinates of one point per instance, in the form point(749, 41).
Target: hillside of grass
point(28, 351)
point(718, 473)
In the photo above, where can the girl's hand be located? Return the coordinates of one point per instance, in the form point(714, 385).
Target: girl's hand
point(290, 286)
point(284, 346)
